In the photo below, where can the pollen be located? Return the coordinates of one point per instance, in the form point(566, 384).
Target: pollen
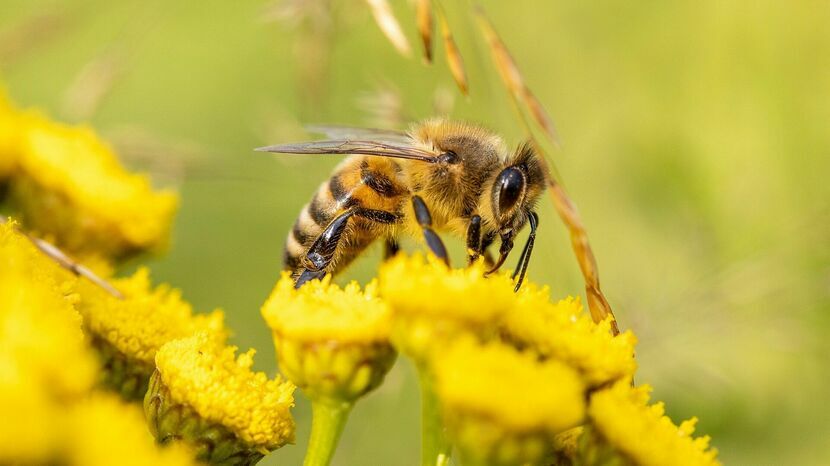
point(220, 387)
point(643, 432)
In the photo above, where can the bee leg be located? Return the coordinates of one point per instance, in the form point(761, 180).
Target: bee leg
point(524, 259)
point(308, 275)
point(390, 248)
point(474, 239)
point(320, 253)
point(424, 219)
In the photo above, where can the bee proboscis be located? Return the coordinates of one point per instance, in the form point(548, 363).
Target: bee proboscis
point(440, 176)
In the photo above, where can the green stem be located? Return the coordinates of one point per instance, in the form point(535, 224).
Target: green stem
point(327, 422)
point(435, 448)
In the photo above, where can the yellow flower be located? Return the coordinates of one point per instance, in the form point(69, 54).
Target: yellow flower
point(643, 433)
point(332, 342)
point(432, 303)
point(562, 331)
point(128, 332)
point(102, 431)
point(502, 406)
point(70, 185)
point(204, 394)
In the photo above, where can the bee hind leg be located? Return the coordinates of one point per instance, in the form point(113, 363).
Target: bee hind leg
point(321, 253)
point(424, 219)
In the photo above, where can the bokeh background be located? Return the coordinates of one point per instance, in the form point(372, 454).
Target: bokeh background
point(696, 146)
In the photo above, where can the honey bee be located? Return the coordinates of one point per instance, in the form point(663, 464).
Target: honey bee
point(442, 175)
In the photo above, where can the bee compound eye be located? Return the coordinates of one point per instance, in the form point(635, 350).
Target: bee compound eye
point(510, 185)
point(449, 157)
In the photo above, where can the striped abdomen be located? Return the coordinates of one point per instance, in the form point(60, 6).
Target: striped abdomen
point(371, 187)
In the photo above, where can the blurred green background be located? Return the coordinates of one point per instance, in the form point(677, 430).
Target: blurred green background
point(696, 145)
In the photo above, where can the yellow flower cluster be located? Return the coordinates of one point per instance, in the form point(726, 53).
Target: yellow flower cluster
point(563, 331)
point(202, 373)
point(332, 342)
point(47, 372)
point(67, 183)
point(643, 433)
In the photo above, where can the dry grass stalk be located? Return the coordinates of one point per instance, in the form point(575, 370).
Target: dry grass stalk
point(454, 60)
point(29, 33)
point(597, 304)
point(92, 84)
point(423, 15)
point(513, 79)
point(519, 92)
point(389, 25)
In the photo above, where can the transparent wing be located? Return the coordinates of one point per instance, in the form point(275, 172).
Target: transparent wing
point(354, 132)
point(364, 147)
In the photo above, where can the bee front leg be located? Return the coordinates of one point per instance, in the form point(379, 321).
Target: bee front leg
point(424, 219)
point(524, 259)
point(474, 248)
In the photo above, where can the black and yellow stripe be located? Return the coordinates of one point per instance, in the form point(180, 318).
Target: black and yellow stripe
point(369, 185)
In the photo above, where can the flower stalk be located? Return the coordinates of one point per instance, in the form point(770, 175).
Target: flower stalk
point(435, 447)
point(329, 419)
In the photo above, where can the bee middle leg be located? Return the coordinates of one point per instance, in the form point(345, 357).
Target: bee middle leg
point(474, 249)
point(391, 248)
point(424, 219)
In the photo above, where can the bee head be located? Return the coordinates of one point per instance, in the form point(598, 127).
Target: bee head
point(515, 191)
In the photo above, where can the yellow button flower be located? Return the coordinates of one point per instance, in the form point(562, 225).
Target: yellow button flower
point(563, 331)
point(642, 433)
point(432, 303)
point(128, 332)
point(503, 407)
point(332, 342)
point(70, 185)
point(203, 394)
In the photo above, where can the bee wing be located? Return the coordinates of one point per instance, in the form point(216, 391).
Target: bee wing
point(364, 147)
point(353, 132)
